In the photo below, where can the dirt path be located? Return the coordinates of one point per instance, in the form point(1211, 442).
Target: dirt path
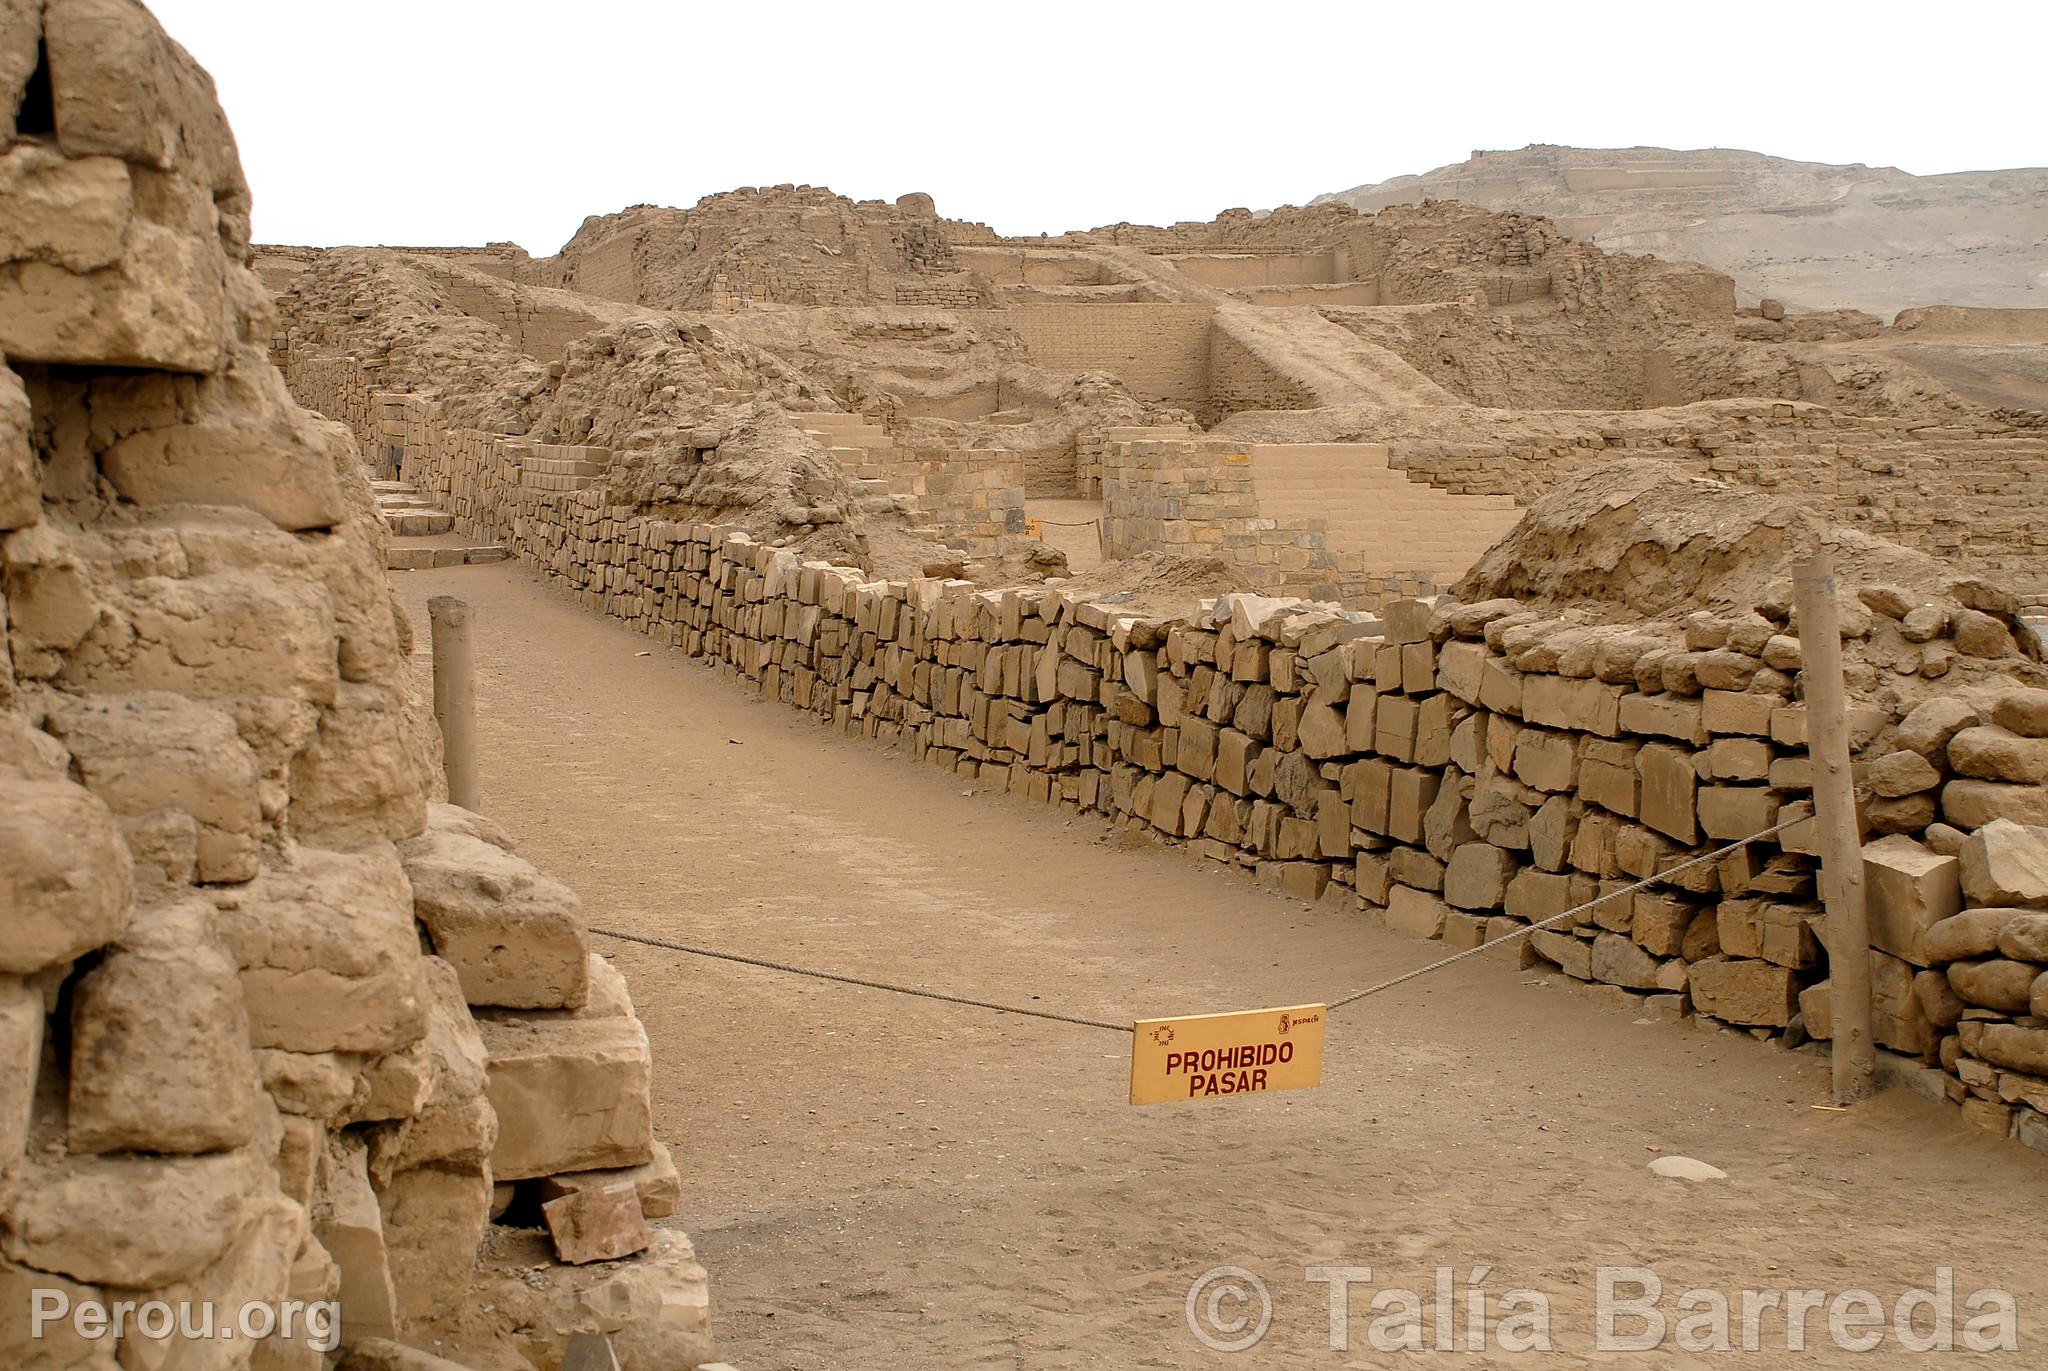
point(877, 1181)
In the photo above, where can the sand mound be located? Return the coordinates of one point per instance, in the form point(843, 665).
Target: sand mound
point(1632, 536)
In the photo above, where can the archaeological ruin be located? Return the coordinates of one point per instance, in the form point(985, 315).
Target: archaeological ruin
point(1427, 566)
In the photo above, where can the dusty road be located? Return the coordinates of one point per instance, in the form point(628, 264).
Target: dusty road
point(878, 1181)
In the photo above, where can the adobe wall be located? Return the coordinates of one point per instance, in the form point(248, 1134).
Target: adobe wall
point(277, 263)
point(1237, 271)
point(502, 489)
point(540, 330)
point(764, 244)
point(1239, 379)
point(1348, 294)
point(1191, 496)
point(973, 496)
point(1159, 351)
point(1010, 266)
point(1364, 506)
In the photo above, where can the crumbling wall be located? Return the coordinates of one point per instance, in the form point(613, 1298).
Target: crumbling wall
point(1160, 352)
point(1240, 379)
point(238, 1058)
point(788, 244)
point(1444, 250)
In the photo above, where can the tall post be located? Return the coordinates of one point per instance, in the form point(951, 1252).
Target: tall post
point(455, 697)
point(1834, 812)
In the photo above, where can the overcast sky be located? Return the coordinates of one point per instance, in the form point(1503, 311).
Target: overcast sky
point(438, 122)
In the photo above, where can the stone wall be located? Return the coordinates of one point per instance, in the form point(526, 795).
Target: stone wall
point(1160, 351)
point(1457, 772)
point(271, 1026)
point(1237, 271)
point(1328, 520)
point(1239, 379)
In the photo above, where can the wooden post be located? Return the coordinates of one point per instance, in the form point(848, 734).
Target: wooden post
point(1834, 811)
point(455, 697)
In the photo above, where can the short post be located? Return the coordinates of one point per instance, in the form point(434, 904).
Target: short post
point(1854, 1053)
point(455, 697)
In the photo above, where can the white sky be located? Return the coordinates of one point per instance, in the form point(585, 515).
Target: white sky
point(464, 121)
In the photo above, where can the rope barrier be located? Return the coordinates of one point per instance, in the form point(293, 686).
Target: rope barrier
point(764, 963)
point(1569, 915)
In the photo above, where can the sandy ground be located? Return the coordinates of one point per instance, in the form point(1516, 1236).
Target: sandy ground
point(880, 1181)
point(1072, 526)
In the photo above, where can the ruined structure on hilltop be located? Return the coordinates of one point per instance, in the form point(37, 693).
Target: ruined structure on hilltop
point(273, 1025)
point(1813, 235)
point(1335, 404)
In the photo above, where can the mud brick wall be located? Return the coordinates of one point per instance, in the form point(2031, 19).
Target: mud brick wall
point(967, 295)
point(1160, 351)
point(1088, 454)
point(342, 388)
point(974, 496)
point(1197, 496)
point(1239, 380)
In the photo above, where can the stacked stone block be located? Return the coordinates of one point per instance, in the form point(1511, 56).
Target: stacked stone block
point(234, 1069)
point(1169, 493)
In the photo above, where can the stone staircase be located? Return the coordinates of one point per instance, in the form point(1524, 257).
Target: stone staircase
point(1363, 505)
point(409, 514)
point(883, 481)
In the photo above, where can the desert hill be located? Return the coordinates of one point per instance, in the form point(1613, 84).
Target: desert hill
point(1813, 235)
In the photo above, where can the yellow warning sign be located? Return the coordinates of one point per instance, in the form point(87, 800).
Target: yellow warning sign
point(1206, 1056)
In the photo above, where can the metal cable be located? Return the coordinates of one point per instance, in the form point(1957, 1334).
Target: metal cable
point(1334, 1005)
point(768, 965)
point(1572, 914)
